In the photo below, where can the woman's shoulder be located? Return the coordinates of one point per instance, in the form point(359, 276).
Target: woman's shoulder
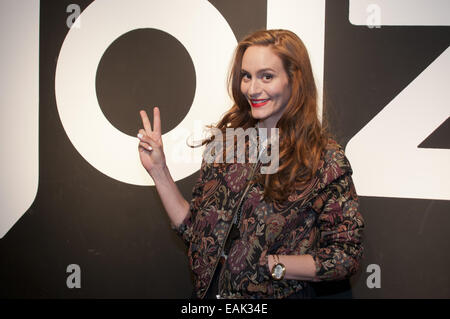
point(334, 163)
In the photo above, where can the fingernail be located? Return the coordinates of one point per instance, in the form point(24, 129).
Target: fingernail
point(140, 135)
point(150, 148)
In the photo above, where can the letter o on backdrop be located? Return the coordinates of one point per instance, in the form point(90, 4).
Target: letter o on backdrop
point(208, 39)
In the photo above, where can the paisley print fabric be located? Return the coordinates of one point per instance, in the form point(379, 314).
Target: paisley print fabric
point(322, 220)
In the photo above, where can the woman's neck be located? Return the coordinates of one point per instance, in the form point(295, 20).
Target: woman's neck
point(261, 124)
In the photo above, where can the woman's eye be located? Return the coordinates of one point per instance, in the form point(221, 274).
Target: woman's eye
point(267, 76)
point(246, 76)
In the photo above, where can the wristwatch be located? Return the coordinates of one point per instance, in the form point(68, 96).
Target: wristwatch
point(278, 270)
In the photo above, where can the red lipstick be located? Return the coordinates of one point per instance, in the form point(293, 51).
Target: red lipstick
point(259, 103)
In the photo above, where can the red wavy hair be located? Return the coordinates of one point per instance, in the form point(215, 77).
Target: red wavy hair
point(302, 136)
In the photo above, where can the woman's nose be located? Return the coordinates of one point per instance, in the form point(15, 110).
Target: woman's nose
point(254, 89)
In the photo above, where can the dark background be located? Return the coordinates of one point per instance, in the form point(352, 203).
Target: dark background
point(119, 234)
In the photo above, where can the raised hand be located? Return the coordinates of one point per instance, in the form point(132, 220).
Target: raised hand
point(150, 146)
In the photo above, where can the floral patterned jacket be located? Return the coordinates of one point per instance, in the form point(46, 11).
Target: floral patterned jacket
point(322, 221)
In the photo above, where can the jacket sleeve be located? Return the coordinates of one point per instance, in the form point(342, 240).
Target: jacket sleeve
point(185, 229)
point(339, 250)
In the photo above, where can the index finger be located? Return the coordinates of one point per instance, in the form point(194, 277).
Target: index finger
point(146, 122)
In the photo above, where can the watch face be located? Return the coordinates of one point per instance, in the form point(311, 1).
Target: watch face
point(278, 271)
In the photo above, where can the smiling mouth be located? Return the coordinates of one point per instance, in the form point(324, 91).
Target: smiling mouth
point(259, 103)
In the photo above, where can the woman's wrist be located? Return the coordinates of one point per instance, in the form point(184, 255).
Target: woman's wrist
point(270, 261)
point(297, 267)
point(159, 173)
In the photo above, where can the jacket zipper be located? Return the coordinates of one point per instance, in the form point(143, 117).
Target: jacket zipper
point(229, 228)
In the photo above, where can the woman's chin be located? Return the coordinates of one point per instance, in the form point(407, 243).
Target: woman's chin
point(258, 115)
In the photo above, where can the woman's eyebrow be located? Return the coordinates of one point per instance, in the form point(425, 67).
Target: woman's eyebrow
point(260, 71)
point(266, 69)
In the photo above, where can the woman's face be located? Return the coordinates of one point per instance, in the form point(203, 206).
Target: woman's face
point(265, 84)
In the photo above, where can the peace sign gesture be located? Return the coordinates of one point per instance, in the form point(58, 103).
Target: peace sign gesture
point(150, 147)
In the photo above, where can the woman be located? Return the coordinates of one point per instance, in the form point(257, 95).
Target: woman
point(254, 235)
